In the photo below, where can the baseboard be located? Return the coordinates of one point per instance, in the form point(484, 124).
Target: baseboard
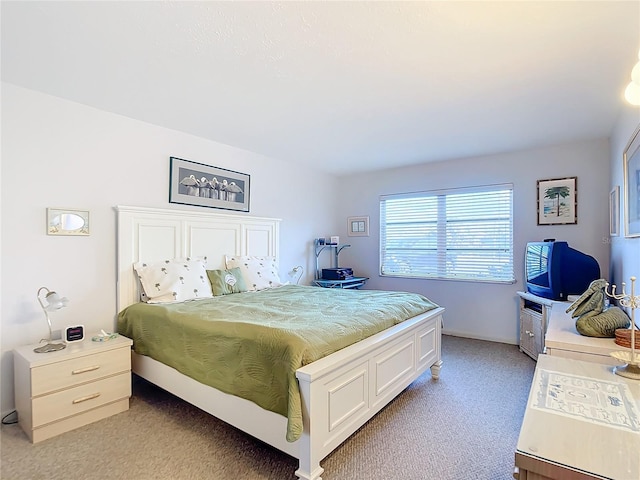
point(508, 341)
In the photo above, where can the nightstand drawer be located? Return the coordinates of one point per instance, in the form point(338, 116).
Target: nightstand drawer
point(67, 373)
point(79, 399)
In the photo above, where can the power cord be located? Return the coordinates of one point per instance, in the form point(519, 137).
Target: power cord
point(4, 419)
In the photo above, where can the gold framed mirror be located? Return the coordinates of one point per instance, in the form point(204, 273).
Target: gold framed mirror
point(65, 221)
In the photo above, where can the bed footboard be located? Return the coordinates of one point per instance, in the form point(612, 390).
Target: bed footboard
point(344, 390)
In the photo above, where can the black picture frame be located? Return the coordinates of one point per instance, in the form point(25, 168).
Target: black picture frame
point(558, 201)
point(193, 183)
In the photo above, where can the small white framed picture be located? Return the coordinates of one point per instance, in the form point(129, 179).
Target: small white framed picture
point(358, 226)
point(614, 212)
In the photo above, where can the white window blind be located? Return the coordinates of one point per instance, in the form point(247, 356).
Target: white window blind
point(462, 234)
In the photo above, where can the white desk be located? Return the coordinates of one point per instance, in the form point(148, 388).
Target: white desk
point(563, 434)
point(563, 340)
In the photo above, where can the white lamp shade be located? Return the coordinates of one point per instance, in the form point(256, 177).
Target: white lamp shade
point(54, 302)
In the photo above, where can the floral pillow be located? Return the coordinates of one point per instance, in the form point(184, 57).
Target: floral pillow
point(174, 280)
point(224, 282)
point(258, 272)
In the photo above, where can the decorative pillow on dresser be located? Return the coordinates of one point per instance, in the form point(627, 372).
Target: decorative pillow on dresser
point(258, 272)
point(224, 282)
point(174, 280)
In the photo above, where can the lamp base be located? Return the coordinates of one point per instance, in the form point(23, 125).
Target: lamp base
point(629, 370)
point(50, 347)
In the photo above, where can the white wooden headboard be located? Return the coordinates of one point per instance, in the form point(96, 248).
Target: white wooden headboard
point(151, 234)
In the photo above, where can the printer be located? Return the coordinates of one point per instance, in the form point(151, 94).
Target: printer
point(341, 273)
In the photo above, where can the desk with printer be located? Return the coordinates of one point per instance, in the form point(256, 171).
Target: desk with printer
point(334, 277)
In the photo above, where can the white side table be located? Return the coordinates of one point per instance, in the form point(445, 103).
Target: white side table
point(59, 391)
point(582, 422)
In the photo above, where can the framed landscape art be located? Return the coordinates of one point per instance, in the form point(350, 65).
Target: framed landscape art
point(193, 183)
point(558, 201)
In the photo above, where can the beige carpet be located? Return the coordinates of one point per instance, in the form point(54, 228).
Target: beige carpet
point(465, 425)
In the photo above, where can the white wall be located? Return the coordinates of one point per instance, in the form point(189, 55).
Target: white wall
point(625, 252)
point(483, 310)
point(57, 153)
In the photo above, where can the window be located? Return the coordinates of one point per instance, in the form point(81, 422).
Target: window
point(462, 234)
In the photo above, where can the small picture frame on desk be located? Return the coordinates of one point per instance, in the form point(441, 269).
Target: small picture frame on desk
point(358, 226)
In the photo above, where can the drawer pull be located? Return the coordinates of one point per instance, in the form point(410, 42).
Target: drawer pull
point(84, 399)
point(85, 370)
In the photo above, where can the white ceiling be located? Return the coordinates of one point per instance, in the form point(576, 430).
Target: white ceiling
point(347, 86)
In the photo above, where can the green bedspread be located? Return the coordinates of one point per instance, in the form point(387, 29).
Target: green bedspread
point(250, 344)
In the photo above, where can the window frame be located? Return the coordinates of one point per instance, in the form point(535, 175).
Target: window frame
point(442, 251)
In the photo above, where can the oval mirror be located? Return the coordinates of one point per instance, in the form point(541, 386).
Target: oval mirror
point(67, 222)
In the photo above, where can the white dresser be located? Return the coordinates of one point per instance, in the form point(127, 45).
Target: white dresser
point(59, 391)
point(563, 340)
point(582, 422)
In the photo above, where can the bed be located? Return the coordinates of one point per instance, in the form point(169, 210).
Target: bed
point(337, 392)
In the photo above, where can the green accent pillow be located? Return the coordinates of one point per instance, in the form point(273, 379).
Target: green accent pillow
point(224, 282)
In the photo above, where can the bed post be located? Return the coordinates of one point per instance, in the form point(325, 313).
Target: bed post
point(435, 369)
point(310, 451)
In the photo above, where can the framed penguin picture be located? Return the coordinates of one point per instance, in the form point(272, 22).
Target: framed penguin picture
point(193, 183)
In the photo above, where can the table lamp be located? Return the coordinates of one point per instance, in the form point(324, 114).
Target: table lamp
point(51, 303)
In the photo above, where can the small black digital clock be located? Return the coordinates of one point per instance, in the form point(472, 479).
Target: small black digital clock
point(74, 334)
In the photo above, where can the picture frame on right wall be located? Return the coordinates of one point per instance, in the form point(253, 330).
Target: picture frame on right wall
point(631, 162)
point(614, 211)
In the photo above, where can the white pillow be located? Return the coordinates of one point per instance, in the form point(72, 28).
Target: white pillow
point(258, 272)
point(174, 280)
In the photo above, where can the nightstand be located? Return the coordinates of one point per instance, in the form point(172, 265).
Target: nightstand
point(60, 391)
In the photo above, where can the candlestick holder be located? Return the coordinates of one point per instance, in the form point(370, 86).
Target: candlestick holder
point(632, 301)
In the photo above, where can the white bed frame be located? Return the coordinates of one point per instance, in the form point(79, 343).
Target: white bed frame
point(340, 393)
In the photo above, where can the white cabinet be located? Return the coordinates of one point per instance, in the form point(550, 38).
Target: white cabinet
point(563, 340)
point(59, 391)
point(531, 332)
point(534, 315)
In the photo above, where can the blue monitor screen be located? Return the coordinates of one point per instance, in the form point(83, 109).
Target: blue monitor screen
point(554, 270)
point(537, 264)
